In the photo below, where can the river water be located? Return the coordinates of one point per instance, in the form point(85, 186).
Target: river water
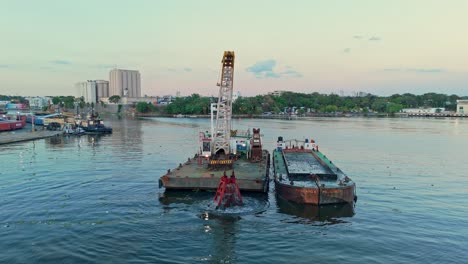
point(96, 199)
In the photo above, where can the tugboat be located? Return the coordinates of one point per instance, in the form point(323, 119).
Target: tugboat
point(227, 161)
point(304, 175)
point(94, 125)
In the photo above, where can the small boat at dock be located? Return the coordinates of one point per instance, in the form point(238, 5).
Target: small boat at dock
point(73, 129)
point(305, 175)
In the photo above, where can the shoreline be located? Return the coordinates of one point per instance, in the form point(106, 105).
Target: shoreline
point(294, 117)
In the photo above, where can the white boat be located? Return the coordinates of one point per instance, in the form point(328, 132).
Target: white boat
point(73, 129)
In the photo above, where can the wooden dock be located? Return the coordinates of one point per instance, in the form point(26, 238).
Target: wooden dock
point(7, 138)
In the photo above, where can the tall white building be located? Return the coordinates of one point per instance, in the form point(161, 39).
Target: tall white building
point(87, 90)
point(102, 89)
point(125, 83)
point(92, 90)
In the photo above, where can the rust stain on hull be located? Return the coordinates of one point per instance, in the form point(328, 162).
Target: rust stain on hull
point(304, 175)
point(316, 196)
point(205, 183)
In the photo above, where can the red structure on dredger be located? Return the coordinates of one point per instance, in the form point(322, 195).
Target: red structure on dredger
point(228, 193)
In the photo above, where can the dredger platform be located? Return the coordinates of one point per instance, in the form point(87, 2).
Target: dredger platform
point(202, 173)
point(228, 161)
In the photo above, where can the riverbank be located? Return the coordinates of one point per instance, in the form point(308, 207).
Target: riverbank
point(7, 138)
point(308, 116)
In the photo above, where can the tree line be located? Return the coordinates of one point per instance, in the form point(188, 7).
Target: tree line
point(284, 103)
point(313, 102)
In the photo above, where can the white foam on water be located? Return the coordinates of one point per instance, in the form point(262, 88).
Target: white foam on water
point(250, 206)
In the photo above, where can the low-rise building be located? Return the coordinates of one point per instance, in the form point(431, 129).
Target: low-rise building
point(462, 107)
point(166, 99)
point(423, 110)
point(39, 102)
point(276, 93)
point(132, 100)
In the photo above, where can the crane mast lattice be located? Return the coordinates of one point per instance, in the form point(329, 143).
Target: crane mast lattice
point(222, 131)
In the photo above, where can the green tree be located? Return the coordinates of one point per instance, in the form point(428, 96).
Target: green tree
point(380, 105)
point(393, 108)
point(69, 102)
point(114, 99)
point(331, 108)
point(142, 107)
point(56, 100)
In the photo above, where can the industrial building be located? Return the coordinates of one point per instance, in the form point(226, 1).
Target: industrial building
point(102, 89)
point(125, 83)
point(92, 90)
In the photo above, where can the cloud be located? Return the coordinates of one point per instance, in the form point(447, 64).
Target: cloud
point(5, 66)
point(269, 69)
point(416, 70)
point(262, 67)
point(347, 50)
point(426, 70)
point(106, 66)
point(373, 38)
point(292, 73)
point(271, 75)
point(179, 70)
point(61, 62)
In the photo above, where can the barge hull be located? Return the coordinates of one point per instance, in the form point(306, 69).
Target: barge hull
point(316, 196)
point(194, 175)
point(211, 183)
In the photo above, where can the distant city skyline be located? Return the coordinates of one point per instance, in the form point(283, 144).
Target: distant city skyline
point(342, 47)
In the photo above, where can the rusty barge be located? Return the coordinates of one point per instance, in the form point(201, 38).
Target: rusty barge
point(305, 175)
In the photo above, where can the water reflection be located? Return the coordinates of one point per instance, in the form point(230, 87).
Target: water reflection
point(128, 131)
point(203, 203)
point(55, 141)
point(183, 197)
point(63, 140)
point(93, 140)
point(222, 226)
point(330, 214)
point(224, 240)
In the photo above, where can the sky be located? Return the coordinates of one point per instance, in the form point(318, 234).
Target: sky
point(342, 47)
